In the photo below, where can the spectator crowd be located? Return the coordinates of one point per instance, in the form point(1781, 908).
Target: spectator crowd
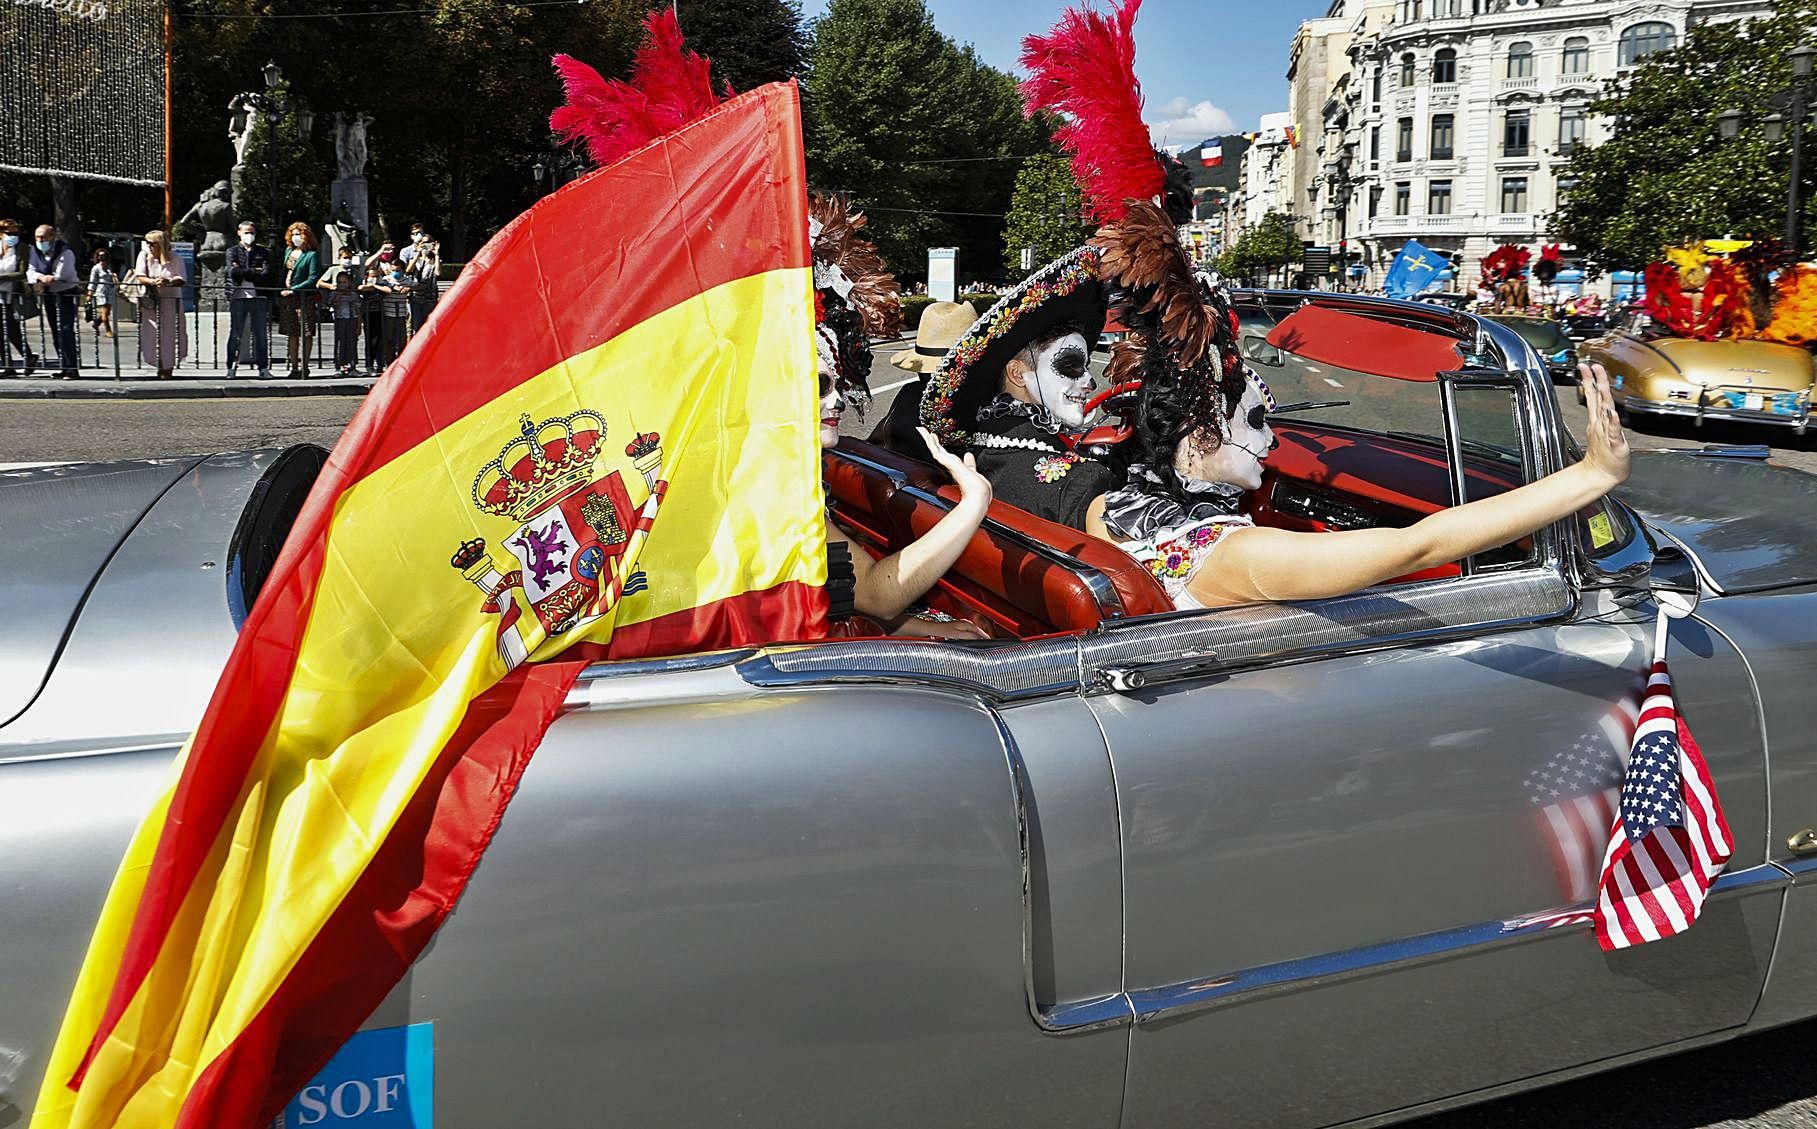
point(339, 310)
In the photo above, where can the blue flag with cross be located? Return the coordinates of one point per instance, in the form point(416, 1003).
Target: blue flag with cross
point(1412, 269)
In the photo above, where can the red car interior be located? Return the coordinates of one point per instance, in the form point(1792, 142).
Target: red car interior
point(1364, 344)
point(1319, 478)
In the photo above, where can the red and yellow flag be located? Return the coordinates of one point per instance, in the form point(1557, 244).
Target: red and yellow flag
point(603, 444)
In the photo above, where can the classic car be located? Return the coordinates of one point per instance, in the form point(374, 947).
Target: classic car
point(1582, 327)
point(1742, 381)
point(1274, 865)
point(1549, 340)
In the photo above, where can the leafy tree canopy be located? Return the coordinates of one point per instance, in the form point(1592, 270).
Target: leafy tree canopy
point(1263, 247)
point(922, 134)
point(1665, 175)
point(1044, 213)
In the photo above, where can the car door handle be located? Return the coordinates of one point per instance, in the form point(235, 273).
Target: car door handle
point(1802, 842)
point(1134, 676)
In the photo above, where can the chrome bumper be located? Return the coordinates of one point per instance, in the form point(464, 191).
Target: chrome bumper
point(1703, 410)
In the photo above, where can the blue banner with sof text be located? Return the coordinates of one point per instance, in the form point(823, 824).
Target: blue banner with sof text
point(383, 1079)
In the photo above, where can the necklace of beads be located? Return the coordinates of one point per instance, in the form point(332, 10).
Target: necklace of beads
point(1004, 441)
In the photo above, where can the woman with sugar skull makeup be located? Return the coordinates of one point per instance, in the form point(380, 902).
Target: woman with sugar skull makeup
point(855, 301)
point(1013, 391)
point(1201, 431)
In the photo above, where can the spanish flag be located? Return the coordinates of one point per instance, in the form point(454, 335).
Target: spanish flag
point(604, 444)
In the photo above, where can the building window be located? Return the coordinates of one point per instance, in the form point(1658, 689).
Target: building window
point(1520, 60)
point(1447, 9)
point(1406, 70)
point(1375, 87)
point(1642, 40)
point(1514, 193)
point(1375, 200)
point(1375, 142)
point(1403, 197)
point(1515, 132)
point(1413, 9)
point(1565, 185)
point(1443, 131)
point(1403, 140)
point(1438, 198)
point(1570, 130)
point(1444, 66)
point(1576, 59)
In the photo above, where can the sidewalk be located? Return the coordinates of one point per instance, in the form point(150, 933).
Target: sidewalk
point(203, 384)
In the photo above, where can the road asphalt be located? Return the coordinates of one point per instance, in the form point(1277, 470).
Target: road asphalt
point(1765, 1081)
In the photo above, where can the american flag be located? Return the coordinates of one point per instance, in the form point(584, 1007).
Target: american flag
point(1670, 839)
point(1575, 793)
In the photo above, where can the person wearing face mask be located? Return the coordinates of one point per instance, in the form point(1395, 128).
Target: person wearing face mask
point(341, 283)
point(423, 265)
point(1014, 390)
point(855, 301)
point(12, 278)
point(163, 337)
point(51, 269)
point(248, 284)
point(297, 300)
point(375, 309)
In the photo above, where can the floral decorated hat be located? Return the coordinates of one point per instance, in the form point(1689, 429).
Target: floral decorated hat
point(1064, 291)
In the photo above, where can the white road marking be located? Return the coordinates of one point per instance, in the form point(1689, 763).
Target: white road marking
point(1333, 383)
point(897, 384)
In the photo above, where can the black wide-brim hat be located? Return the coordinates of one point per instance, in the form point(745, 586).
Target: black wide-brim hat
point(1065, 290)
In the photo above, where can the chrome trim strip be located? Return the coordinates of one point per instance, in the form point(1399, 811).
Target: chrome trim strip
point(1244, 985)
point(1728, 415)
point(989, 672)
point(1104, 593)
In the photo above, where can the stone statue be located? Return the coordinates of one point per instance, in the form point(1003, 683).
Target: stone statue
point(242, 117)
point(350, 144)
point(214, 212)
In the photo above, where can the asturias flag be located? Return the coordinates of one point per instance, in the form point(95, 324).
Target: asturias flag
point(1412, 269)
point(603, 444)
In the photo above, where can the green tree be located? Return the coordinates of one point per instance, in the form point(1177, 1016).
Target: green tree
point(1044, 212)
point(1262, 249)
point(1665, 174)
point(284, 178)
point(923, 135)
point(750, 42)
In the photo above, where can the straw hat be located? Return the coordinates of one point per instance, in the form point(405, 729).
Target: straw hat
point(942, 323)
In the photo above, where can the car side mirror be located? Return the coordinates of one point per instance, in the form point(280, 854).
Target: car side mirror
point(1258, 349)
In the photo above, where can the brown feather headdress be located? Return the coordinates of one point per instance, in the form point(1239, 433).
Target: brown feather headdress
point(855, 295)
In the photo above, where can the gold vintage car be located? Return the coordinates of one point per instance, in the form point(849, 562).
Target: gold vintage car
point(1742, 381)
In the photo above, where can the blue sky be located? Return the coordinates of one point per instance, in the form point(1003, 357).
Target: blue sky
point(1207, 66)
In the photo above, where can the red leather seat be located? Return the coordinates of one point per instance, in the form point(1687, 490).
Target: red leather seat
point(1020, 576)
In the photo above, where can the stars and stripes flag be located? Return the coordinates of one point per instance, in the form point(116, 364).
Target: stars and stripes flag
point(1575, 794)
point(1211, 153)
point(1668, 839)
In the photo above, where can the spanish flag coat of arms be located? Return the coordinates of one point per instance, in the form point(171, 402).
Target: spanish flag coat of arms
point(603, 444)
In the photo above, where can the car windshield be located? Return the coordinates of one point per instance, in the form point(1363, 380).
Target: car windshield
point(1544, 335)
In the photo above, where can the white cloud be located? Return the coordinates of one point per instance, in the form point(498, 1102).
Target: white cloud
point(1190, 123)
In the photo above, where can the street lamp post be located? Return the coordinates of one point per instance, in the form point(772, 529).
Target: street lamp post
point(1796, 104)
point(273, 107)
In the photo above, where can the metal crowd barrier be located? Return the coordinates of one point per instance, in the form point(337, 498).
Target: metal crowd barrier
point(27, 341)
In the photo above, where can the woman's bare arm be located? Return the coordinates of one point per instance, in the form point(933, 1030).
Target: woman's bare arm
point(886, 588)
point(1278, 564)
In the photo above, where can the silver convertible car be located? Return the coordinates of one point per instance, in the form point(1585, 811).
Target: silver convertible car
point(1112, 866)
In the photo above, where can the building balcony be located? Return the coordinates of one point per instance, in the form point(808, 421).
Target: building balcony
point(1514, 223)
point(1528, 83)
point(1390, 227)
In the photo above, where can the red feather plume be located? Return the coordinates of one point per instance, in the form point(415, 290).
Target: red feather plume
point(1085, 69)
point(669, 87)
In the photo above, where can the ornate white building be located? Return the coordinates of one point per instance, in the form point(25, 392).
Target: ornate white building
point(1455, 119)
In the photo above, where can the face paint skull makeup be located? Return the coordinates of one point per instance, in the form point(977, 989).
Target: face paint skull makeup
point(1247, 441)
point(832, 407)
point(1061, 380)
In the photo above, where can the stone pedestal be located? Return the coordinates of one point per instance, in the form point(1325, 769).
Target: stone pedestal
point(351, 191)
